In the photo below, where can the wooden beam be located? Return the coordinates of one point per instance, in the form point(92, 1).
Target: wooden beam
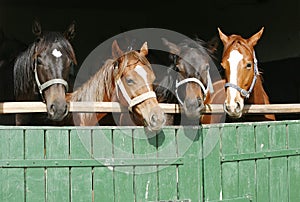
point(35, 107)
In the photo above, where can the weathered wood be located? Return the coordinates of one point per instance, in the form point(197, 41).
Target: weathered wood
point(35, 107)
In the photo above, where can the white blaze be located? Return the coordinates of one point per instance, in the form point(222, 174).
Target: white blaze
point(142, 72)
point(56, 53)
point(234, 58)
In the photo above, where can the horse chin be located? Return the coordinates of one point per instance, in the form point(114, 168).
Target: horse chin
point(193, 114)
point(235, 115)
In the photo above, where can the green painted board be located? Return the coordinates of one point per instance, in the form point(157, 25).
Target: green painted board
point(34, 177)
point(123, 175)
point(262, 165)
point(167, 182)
point(190, 177)
point(81, 177)
point(145, 177)
point(103, 182)
point(57, 179)
point(230, 172)
point(211, 162)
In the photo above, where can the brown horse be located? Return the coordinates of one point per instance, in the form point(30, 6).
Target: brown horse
point(243, 81)
point(128, 79)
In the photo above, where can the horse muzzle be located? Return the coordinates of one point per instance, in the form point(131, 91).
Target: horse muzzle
point(234, 110)
point(156, 119)
point(57, 110)
point(193, 107)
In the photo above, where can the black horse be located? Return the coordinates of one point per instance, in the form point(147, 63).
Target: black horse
point(41, 74)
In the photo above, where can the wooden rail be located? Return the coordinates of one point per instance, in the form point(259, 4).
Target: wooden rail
point(34, 107)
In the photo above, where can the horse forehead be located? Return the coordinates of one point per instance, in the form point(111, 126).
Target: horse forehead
point(234, 57)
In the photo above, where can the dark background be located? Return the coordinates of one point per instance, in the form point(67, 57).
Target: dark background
point(278, 51)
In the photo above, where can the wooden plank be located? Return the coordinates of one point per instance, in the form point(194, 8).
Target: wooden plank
point(12, 179)
point(58, 180)
point(230, 182)
point(190, 174)
point(81, 177)
point(278, 166)
point(103, 176)
point(167, 175)
point(28, 107)
point(293, 163)
point(262, 165)
point(212, 165)
point(246, 144)
point(145, 177)
point(35, 178)
point(123, 175)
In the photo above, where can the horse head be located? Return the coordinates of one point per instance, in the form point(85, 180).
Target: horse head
point(241, 71)
point(134, 82)
point(192, 60)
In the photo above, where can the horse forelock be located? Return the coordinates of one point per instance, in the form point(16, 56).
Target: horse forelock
point(55, 37)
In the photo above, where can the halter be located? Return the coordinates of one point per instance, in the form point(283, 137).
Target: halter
point(244, 92)
point(197, 81)
point(47, 84)
point(136, 100)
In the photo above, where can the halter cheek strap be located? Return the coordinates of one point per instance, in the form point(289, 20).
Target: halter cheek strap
point(47, 84)
point(246, 93)
point(136, 100)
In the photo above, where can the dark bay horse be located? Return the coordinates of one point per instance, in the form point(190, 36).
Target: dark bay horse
point(127, 79)
point(243, 81)
point(41, 74)
point(10, 47)
point(189, 80)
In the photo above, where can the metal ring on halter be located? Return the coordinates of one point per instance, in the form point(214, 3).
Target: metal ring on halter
point(184, 81)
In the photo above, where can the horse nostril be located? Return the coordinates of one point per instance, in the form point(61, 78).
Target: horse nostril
point(238, 106)
point(52, 109)
point(66, 109)
point(153, 119)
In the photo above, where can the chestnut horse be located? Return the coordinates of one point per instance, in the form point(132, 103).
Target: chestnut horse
point(127, 79)
point(41, 74)
point(243, 81)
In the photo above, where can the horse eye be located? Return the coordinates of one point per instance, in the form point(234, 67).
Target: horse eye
point(116, 64)
point(39, 60)
point(249, 65)
point(129, 81)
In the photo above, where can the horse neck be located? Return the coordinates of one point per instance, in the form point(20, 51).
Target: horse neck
point(258, 95)
point(98, 88)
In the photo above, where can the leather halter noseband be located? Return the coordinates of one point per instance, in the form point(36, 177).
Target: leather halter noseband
point(197, 81)
point(136, 100)
point(47, 84)
point(246, 93)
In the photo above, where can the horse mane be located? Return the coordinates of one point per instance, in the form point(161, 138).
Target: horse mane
point(103, 82)
point(24, 67)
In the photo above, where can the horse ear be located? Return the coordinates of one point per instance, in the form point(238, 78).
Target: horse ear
point(172, 47)
point(70, 31)
point(144, 49)
point(213, 44)
point(116, 51)
point(253, 39)
point(223, 37)
point(36, 28)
